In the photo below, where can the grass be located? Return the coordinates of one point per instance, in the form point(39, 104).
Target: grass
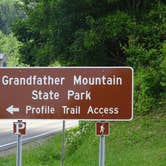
point(141, 142)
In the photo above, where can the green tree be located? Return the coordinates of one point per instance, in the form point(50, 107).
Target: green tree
point(97, 33)
point(10, 46)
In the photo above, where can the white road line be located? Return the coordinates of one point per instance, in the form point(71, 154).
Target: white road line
point(30, 138)
point(9, 144)
point(12, 144)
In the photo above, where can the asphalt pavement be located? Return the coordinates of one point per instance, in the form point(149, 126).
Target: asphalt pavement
point(36, 129)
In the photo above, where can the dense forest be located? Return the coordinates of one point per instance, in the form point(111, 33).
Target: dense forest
point(92, 33)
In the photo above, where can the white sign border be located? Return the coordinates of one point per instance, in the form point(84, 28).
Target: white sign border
point(78, 67)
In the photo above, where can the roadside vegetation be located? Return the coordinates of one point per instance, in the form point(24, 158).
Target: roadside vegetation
point(136, 143)
point(91, 33)
point(95, 33)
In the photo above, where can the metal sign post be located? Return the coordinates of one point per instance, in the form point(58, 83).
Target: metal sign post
point(102, 151)
point(19, 151)
point(102, 130)
point(19, 128)
point(63, 143)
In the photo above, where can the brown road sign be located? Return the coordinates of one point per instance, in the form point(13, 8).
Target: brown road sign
point(66, 93)
point(19, 128)
point(102, 128)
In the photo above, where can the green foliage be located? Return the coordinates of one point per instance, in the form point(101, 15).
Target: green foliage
point(145, 51)
point(76, 34)
point(99, 33)
point(163, 75)
point(10, 10)
point(103, 36)
point(147, 89)
point(149, 76)
point(10, 46)
point(136, 143)
point(74, 137)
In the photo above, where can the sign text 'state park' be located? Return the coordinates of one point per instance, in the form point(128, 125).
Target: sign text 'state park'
point(66, 93)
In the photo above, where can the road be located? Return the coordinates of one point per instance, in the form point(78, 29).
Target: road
point(35, 129)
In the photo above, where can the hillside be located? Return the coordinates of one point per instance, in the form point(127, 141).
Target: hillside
point(141, 142)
